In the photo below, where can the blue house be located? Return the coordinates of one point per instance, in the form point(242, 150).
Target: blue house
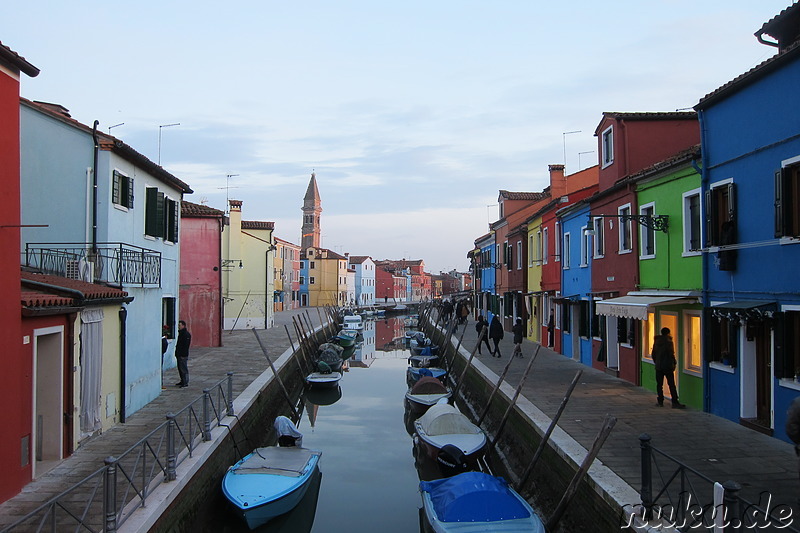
point(751, 186)
point(485, 263)
point(576, 283)
point(95, 209)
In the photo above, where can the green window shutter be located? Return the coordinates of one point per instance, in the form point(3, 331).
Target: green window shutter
point(130, 193)
point(115, 194)
point(161, 229)
point(175, 219)
point(151, 222)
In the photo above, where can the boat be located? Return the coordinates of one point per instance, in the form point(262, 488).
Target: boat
point(423, 360)
point(346, 337)
point(414, 373)
point(443, 425)
point(475, 502)
point(322, 380)
point(411, 321)
point(324, 396)
point(352, 322)
point(269, 482)
point(329, 357)
point(425, 393)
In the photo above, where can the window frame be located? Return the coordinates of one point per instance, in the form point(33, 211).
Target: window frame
point(787, 200)
point(565, 251)
point(545, 236)
point(690, 221)
point(122, 191)
point(625, 229)
point(607, 146)
point(647, 235)
point(585, 247)
point(598, 243)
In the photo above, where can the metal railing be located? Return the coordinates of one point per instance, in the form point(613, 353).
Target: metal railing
point(684, 499)
point(106, 498)
point(112, 262)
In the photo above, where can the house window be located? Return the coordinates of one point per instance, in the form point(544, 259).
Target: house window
point(583, 319)
point(625, 241)
point(723, 342)
point(648, 335)
point(311, 280)
point(787, 345)
point(692, 222)
point(599, 238)
point(566, 316)
point(533, 248)
point(787, 199)
point(172, 214)
point(519, 255)
point(565, 262)
point(154, 212)
point(302, 280)
point(168, 317)
point(607, 146)
point(545, 250)
point(647, 235)
point(626, 331)
point(585, 247)
point(122, 190)
point(508, 253)
point(312, 264)
point(557, 241)
point(721, 222)
point(694, 354)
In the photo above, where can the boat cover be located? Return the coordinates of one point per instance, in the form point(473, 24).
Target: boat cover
point(288, 462)
point(284, 426)
point(428, 385)
point(444, 419)
point(474, 497)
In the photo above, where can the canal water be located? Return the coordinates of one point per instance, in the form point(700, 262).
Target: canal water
point(368, 479)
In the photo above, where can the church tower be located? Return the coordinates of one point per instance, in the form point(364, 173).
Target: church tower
point(312, 207)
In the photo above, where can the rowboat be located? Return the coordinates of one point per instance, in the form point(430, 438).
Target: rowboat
point(269, 482)
point(413, 374)
point(423, 360)
point(475, 502)
point(322, 380)
point(329, 358)
point(443, 425)
point(425, 393)
point(346, 337)
point(352, 322)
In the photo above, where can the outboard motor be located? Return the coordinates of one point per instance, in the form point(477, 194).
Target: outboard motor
point(451, 461)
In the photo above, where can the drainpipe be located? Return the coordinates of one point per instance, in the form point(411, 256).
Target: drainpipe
point(94, 186)
point(123, 314)
point(703, 187)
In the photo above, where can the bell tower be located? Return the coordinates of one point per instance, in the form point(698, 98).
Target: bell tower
point(312, 207)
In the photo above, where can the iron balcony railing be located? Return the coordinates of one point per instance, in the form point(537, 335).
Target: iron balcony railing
point(106, 498)
point(116, 263)
point(681, 498)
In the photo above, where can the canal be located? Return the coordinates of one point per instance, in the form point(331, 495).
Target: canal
point(368, 480)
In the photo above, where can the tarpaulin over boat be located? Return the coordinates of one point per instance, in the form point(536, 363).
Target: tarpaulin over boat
point(428, 385)
point(444, 419)
point(473, 497)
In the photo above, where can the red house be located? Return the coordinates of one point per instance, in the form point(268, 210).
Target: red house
point(15, 433)
point(201, 272)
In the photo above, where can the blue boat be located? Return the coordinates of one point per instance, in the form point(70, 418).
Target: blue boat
point(269, 482)
point(413, 374)
point(476, 502)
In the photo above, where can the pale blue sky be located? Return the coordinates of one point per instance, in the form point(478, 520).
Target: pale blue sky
point(413, 114)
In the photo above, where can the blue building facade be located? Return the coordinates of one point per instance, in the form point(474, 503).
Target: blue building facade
point(576, 283)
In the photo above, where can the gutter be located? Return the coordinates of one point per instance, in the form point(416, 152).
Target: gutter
point(703, 188)
point(94, 186)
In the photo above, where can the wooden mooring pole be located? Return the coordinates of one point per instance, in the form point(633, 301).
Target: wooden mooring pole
point(516, 395)
point(494, 391)
point(295, 355)
point(277, 376)
point(466, 366)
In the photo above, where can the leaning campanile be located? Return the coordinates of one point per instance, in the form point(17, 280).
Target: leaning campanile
point(312, 207)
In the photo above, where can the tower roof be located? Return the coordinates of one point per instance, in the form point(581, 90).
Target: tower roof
point(312, 199)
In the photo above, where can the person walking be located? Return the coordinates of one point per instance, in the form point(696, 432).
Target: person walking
point(496, 334)
point(551, 329)
point(663, 355)
point(519, 332)
point(182, 353)
point(479, 325)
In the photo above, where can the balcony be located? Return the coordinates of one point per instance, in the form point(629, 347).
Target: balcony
point(114, 263)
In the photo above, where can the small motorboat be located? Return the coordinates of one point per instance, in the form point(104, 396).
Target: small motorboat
point(414, 373)
point(423, 361)
point(323, 380)
point(346, 337)
point(269, 482)
point(425, 350)
point(425, 393)
point(411, 321)
point(324, 396)
point(352, 322)
point(443, 425)
point(329, 357)
point(475, 502)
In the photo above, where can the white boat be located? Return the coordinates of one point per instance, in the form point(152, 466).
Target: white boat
point(321, 380)
point(443, 424)
point(474, 502)
point(426, 392)
point(269, 482)
point(352, 322)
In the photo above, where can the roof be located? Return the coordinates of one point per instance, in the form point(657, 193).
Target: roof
point(285, 242)
point(646, 116)
point(783, 27)
point(190, 209)
point(508, 195)
point(751, 76)
point(358, 259)
point(257, 224)
point(44, 290)
point(16, 61)
point(109, 143)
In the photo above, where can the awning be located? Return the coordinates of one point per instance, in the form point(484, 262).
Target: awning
point(571, 298)
point(755, 310)
point(637, 307)
point(743, 304)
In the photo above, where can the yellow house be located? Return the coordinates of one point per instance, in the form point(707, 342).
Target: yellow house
point(534, 278)
point(248, 283)
point(327, 277)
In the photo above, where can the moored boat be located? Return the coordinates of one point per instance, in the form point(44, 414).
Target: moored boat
point(413, 374)
point(443, 425)
point(425, 393)
point(269, 482)
point(329, 357)
point(352, 322)
point(322, 380)
point(346, 337)
point(475, 502)
point(422, 361)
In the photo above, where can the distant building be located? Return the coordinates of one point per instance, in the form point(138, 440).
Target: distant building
point(364, 267)
point(287, 275)
point(312, 208)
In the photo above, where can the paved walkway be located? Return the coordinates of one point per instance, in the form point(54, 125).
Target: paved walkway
point(720, 449)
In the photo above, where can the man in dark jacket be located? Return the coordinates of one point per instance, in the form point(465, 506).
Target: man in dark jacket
point(496, 334)
point(479, 325)
point(182, 353)
point(664, 358)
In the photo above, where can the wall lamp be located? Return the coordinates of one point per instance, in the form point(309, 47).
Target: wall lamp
point(226, 263)
point(655, 223)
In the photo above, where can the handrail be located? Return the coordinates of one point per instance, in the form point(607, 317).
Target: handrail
point(106, 498)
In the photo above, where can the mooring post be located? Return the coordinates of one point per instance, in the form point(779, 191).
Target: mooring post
point(516, 395)
point(295, 355)
point(230, 394)
point(466, 367)
point(732, 507)
point(206, 415)
point(494, 391)
point(172, 460)
point(647, 475)
point(110, 494)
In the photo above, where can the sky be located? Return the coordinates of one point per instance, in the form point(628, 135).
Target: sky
point(413, 115)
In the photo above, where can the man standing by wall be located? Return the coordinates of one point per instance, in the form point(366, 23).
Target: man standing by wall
point(182, 353)
point(664, 358)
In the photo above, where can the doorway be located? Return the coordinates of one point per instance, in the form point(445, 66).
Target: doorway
point(756, 365)
point(48, 393)
point(670, 320)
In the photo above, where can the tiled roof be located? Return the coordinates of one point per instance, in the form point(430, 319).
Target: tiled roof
point(189, 209)
point(652, 115)
point(15, 60)
point(358, 259)
point(683, 156)
point(782, 26)
point(508, 195)
point(35, 295)
point(257, 224)
point(752, 75)
point(286, 243)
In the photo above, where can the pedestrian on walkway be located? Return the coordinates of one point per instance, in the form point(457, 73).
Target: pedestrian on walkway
point(663, 355)
point(182, 353)
point(551, 330)
point(479, 325)
point(519, 332)
point(496, 334)
point(464, 313)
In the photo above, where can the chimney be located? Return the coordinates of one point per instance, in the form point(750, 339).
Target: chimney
point(558, 182)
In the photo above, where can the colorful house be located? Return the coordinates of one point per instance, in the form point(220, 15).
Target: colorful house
point(200, 297)
point(750, 183)
point(364, 268)
point(327, 277)
point(287, 275)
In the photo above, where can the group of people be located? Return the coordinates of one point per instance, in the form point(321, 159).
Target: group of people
point(460, 309)
point(496, 333)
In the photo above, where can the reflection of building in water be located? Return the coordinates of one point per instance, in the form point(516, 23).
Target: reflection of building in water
point(365, 350)
point(390, 334)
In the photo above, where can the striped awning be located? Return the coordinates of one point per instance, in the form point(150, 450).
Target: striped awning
point(637, 307)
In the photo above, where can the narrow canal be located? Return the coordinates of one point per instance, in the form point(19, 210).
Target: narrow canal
point(369, 481)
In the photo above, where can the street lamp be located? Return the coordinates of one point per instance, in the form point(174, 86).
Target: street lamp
point(653, 222)
point(159, 138)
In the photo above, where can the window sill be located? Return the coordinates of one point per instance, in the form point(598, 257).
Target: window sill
point(121, 208)
point(789, 240)
point(643, 257)
point(622, 252)
point(789, 384)
point(719, 366)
